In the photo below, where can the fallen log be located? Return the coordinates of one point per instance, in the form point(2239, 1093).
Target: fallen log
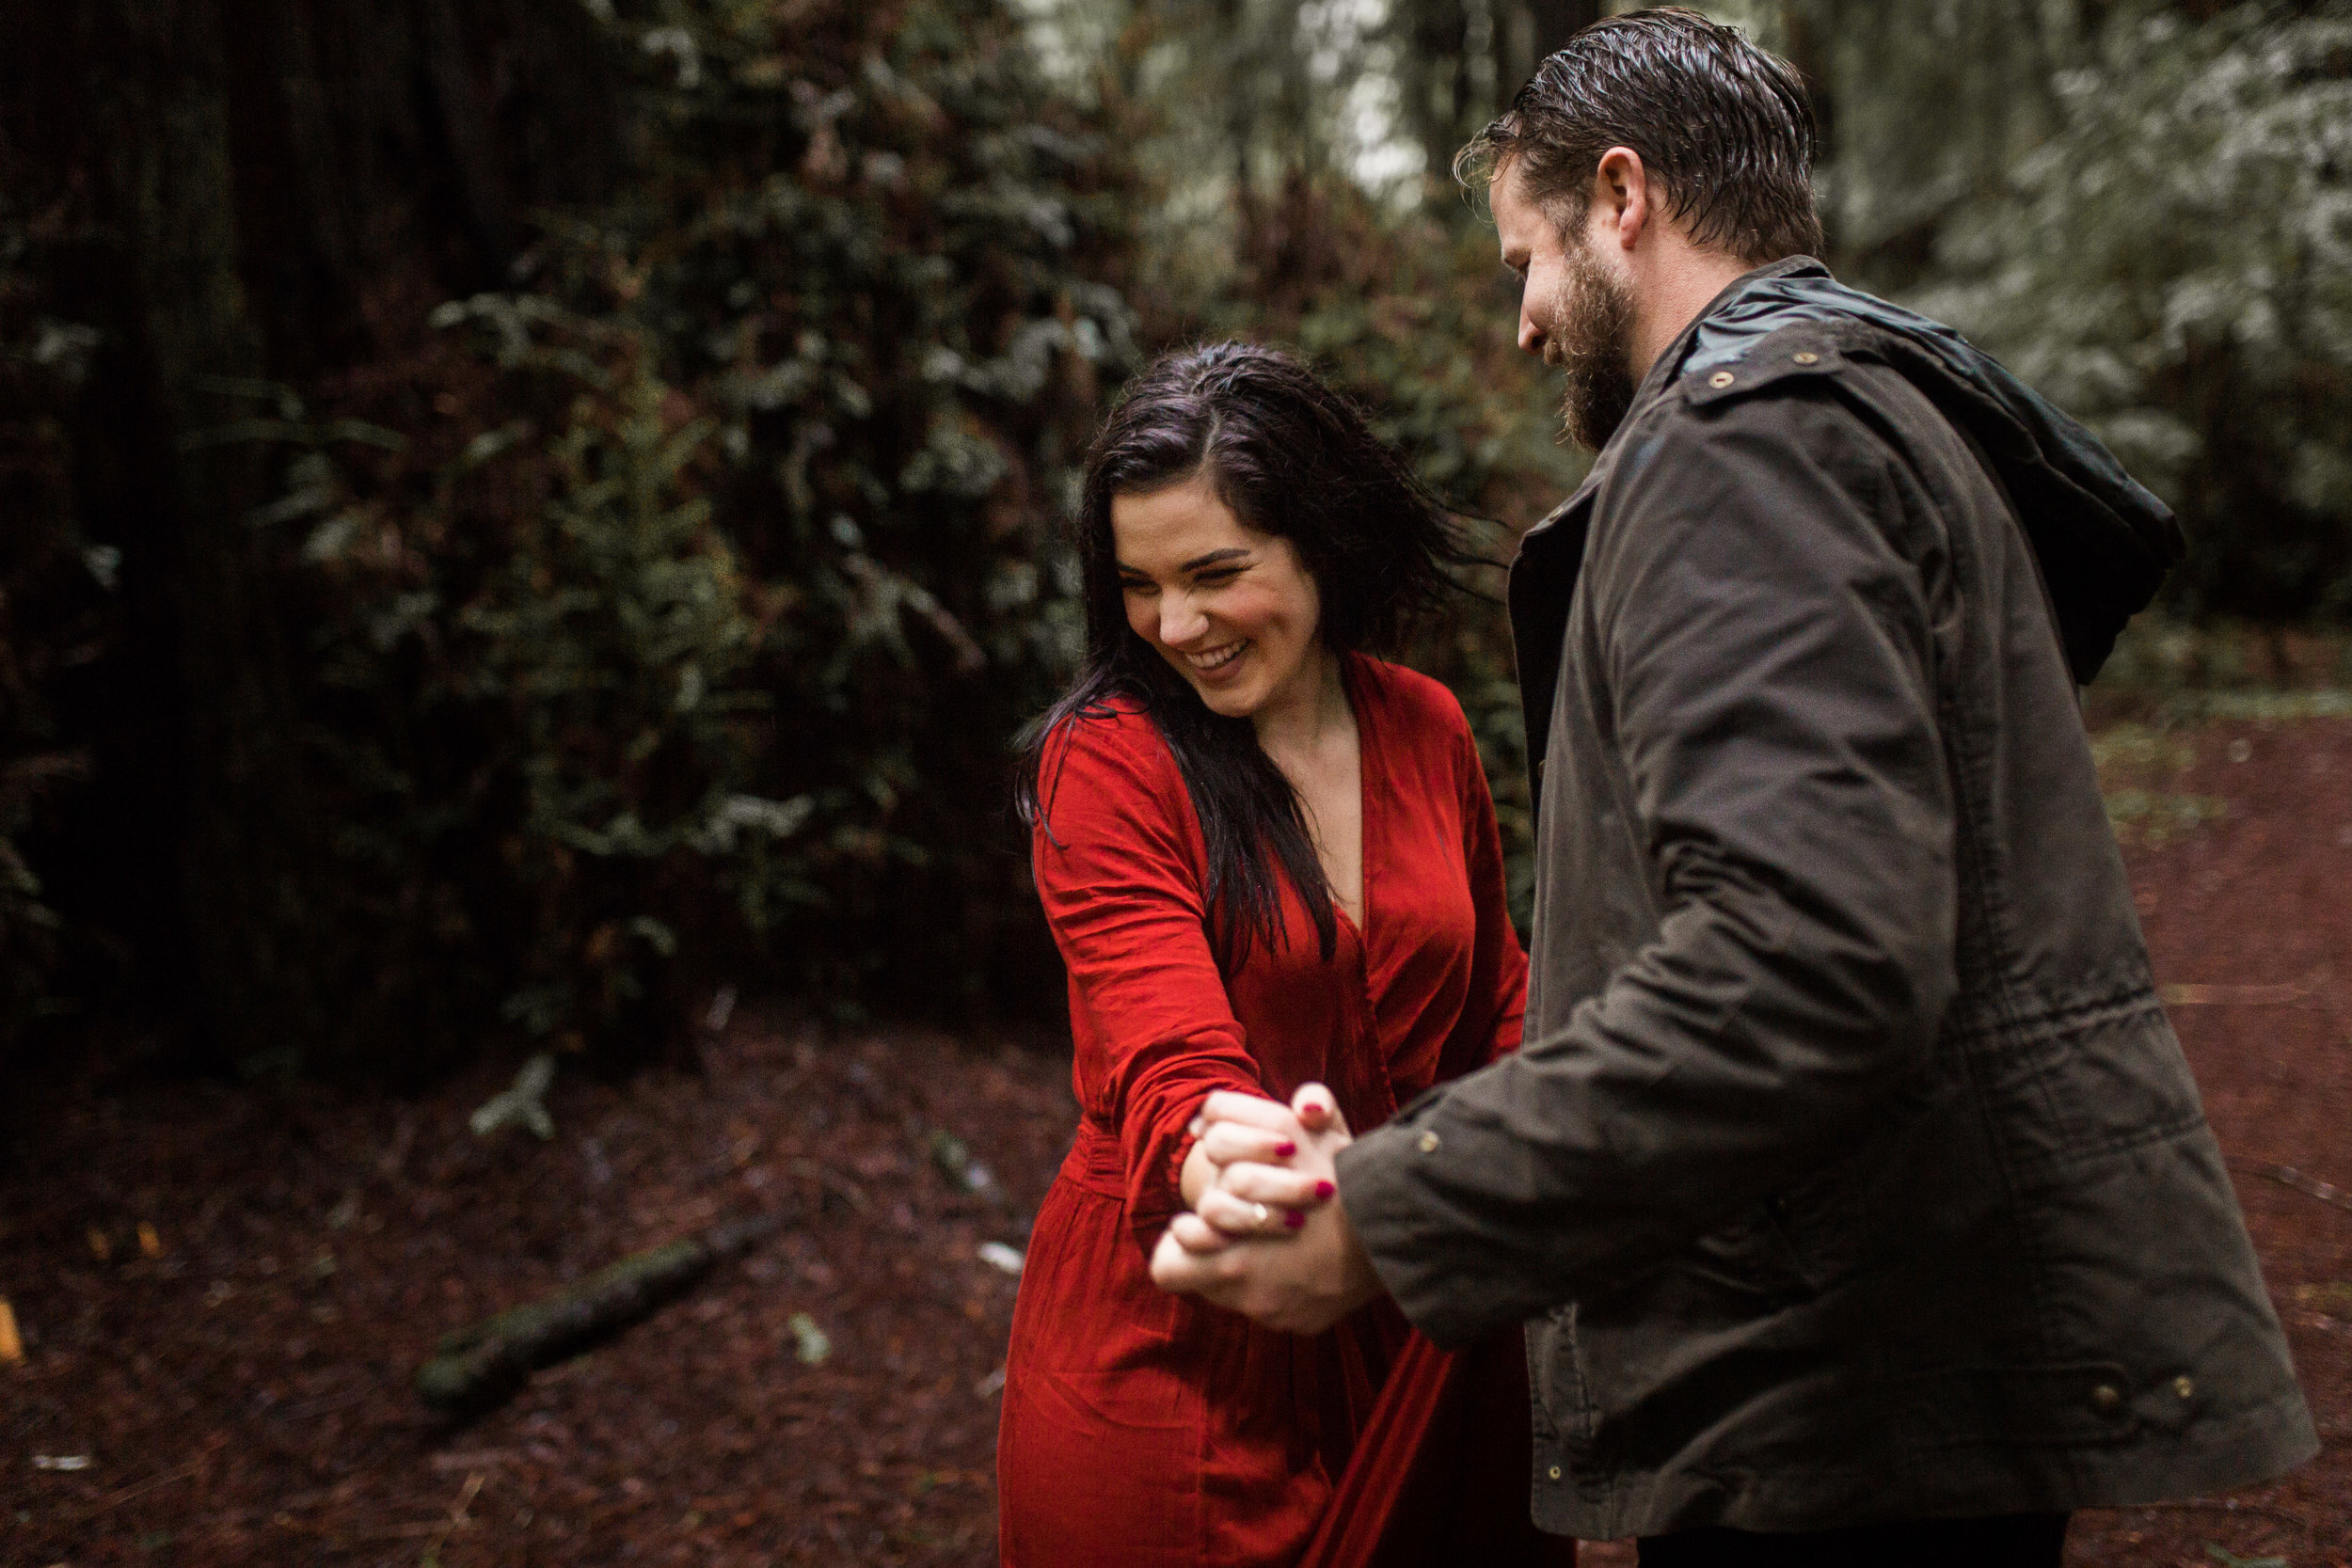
point(478, 1368)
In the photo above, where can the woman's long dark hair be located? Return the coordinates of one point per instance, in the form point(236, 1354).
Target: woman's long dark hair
point(1289, 456)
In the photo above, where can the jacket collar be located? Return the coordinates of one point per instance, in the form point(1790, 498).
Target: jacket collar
point(1663, 373)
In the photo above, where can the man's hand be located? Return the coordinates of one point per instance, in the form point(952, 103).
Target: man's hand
point(1301, 1278)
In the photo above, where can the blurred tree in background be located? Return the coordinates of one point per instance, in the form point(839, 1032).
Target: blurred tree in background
point(2145, 208)
point(519, 514)
point(2173, 263)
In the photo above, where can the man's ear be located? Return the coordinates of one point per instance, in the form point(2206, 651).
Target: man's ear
point(1621, 196)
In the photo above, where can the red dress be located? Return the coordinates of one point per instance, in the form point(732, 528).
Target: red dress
point(1141, 1428)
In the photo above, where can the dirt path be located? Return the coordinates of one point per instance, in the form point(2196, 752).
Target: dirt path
point(2249, 922)
point(240, 1395)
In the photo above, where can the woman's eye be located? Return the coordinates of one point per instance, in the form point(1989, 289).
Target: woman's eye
point(1129, 585)
point(1217, 578)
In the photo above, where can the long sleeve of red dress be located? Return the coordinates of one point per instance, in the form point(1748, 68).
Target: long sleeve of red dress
point(1119, 869)
point(1145, 1429)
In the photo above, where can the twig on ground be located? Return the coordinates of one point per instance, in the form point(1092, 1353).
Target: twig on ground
point(2232, 996)
point(325, 1406)
point(457, 1519)
point(840, 1186)
point(2231, 1505)
point(115, 1499)
point(2288, 1176)
point(479, 1366)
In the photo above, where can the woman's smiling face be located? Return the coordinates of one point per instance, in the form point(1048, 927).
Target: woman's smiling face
point(1234, 611)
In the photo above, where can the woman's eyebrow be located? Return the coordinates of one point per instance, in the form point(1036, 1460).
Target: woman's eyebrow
point(1235, 553)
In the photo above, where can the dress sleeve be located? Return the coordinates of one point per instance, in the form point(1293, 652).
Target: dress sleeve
point(1497, 1003)
point(1122, 889)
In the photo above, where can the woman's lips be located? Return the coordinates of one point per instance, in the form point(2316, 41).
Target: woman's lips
point(1217, 662)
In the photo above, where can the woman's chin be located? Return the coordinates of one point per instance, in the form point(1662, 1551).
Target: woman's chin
point(1238, 700)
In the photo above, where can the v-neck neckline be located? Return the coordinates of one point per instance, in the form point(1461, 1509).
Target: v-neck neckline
point(1353, 685)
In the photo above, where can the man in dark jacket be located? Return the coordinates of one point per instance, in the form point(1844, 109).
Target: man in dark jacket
point(1850, 1181)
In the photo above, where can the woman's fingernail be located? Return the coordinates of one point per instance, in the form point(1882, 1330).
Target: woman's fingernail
point(1293, 1218)
point(1284, 1150)
point(1324, 1190)
point(1193, 1128)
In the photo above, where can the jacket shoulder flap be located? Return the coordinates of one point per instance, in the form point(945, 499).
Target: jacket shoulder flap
point(1806, 351)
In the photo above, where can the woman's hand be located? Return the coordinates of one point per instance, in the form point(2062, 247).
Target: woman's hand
point(1235, 1128)
point(1265, 1166)
point(1221, 1253)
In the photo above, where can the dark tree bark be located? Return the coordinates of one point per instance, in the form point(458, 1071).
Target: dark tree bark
point(166, 196)
point(1549, 25)
point(237, 194)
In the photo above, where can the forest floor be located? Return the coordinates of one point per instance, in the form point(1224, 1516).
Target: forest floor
point(223, 1291)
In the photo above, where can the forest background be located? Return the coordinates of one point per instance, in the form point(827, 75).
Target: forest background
point(512, 517)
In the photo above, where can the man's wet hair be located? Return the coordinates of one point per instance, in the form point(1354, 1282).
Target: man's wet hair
point(1723, 126)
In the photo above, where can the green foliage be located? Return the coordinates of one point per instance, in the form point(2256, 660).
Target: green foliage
point(693, 635)
point(533, 719)
point(2174, 265)
point(664, 617)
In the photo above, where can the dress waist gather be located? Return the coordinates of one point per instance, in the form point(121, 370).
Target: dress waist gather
point(1096, 1162)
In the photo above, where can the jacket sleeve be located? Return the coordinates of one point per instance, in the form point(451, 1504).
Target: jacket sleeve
point(1765, 658)
point(1115, 872)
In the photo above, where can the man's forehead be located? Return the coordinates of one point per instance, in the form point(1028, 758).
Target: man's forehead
point(1516, 217)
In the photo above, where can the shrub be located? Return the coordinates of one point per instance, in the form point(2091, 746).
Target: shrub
point(691, 634)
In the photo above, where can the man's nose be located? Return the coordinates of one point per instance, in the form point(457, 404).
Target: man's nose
point(1531, 336)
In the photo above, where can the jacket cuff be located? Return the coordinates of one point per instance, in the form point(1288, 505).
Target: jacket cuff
point(1430, 1251)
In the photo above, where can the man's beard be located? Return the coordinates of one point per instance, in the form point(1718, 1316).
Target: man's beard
point(1593, 344)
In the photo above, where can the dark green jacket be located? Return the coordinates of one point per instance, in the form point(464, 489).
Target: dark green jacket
point(1851, 1169)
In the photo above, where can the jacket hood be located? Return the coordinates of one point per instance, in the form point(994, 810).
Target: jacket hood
point(2103, 541)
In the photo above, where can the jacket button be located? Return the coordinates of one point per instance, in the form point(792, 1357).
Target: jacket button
point(2106, 1399)
point(2186, 1387)
point(1555, 1472)
point(1808, 357)
point(1721, 378)
point(1426, 1142)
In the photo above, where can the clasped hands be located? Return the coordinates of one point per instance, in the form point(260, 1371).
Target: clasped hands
point(1264, 1237)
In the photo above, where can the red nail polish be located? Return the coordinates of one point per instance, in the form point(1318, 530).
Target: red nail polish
point(1293, 1218)
point(1324, 1190)
point(1284, 1150)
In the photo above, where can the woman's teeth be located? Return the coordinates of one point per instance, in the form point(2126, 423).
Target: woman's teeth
point(1216, 658)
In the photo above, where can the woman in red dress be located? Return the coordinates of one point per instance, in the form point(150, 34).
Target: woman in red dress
point(1268, 858)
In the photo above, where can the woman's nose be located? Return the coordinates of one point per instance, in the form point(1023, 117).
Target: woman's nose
point(1181, 620)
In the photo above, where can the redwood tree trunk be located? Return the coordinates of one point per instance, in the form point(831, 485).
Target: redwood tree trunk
point(167, 196)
